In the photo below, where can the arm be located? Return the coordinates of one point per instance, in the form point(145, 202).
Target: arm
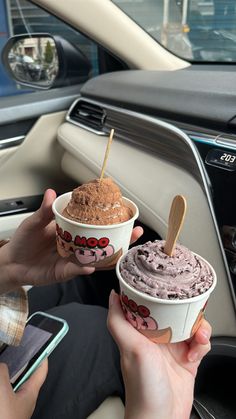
point(159, 378)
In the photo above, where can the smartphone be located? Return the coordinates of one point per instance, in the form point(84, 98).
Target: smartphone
point(42, 334)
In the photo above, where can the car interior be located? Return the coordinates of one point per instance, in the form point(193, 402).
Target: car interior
point(175, 133)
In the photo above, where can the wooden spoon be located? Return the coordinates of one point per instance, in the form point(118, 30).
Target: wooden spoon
point(106, 153)
point(175, 222)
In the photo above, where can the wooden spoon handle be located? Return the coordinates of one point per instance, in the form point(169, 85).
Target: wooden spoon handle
point(176, 219)
point(106, 153)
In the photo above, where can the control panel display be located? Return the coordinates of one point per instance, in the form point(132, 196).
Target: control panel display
point(221, 158)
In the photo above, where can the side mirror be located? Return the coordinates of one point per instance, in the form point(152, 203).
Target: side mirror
point(42, 61)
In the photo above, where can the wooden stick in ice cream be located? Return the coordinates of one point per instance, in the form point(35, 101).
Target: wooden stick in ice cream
point(175, 222)
point(106, 154)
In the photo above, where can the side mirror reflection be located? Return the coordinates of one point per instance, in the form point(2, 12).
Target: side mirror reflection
point(34, 60)
point(42, 61)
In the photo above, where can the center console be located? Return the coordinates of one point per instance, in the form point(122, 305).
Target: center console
point(219, 156)
point(214, 391)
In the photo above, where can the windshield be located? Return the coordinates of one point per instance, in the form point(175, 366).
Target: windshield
point(196, 30)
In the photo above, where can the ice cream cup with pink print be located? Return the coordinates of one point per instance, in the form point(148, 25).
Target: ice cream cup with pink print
point(164, 297)
point(89, 244)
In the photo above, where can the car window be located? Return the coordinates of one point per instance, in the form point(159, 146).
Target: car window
point(196, 30)
point(22, 17)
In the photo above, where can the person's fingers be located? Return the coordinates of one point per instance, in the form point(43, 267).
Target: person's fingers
point(36, 380)
point(46, 206)
point(203, 333)
point(44, 214)
point(200, 343)
point(126, 337)
point(70, 270)
point(28, 393)
point(198, 352)
point(136, 234)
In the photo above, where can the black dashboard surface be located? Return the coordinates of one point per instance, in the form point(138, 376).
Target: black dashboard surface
point(205, 98)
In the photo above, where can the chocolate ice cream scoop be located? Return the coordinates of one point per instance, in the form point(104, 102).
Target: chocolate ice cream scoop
point(97, 202)
point(149, 270)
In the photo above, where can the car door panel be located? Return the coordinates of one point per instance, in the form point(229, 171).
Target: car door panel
point(32, 105)
point(10, 130)
point(14, 210)
point(26, 135)
point(9, 223)
point(36, 164)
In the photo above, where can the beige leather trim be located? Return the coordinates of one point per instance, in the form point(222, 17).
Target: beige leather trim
point(152, 183)
point(5, 154)
point(36, 164)
point(75, 169)
point(111, 408)
point(104, 22)
point(9, 223)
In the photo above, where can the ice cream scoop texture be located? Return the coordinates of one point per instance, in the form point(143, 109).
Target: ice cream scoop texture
point(97, 202)
point(149, 270)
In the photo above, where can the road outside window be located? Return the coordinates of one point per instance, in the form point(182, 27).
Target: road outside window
point(196, 30)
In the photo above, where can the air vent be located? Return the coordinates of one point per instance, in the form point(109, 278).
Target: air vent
point(87, 115)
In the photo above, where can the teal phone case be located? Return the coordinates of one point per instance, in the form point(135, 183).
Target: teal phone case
point(48, 349)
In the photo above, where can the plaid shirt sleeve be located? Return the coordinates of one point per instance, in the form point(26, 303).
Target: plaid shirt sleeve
point(13, 315)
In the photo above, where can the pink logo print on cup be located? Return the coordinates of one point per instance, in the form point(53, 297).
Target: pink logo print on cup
point(86, 256)
point(137, 315)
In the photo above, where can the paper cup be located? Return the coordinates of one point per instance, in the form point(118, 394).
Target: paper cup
point(91, 245)
point(163, 321)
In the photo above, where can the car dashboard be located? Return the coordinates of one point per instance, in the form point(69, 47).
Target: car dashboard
point(173, 135)
point(153, 158)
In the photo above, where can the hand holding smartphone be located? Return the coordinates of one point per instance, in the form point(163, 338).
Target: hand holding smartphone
point(42, 334)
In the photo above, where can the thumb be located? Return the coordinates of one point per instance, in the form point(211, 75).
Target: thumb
point(44, 214)
point(5, 385)
point(28, 393)
point(122, 331)
point(69, 270)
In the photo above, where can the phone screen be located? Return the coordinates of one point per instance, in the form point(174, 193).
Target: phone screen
point(39, 332)
point(18, 357)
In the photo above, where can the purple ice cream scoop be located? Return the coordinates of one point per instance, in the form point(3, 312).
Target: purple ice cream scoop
point(149, 270)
